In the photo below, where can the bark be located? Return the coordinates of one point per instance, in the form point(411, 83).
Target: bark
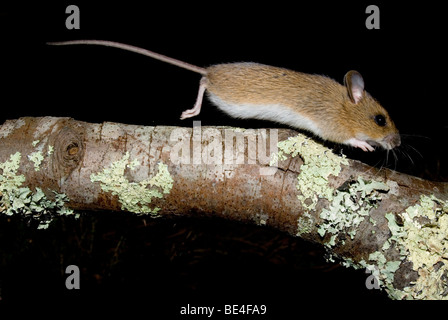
point(390, 223)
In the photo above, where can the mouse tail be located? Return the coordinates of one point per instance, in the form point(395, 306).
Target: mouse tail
point(142, 51)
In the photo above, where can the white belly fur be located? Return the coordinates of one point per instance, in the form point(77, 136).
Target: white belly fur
point(272, 112)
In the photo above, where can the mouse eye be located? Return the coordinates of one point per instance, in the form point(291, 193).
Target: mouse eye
point(380, 120)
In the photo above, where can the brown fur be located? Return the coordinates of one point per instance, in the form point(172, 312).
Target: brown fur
point(323, 100)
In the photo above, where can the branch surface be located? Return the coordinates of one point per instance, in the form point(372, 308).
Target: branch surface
point(391, 223)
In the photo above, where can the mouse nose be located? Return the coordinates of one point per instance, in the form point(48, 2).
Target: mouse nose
point(393, 140)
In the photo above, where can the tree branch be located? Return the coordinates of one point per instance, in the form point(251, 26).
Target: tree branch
point(389, 222)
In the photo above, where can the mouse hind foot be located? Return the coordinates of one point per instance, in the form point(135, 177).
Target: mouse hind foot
point(197, 106)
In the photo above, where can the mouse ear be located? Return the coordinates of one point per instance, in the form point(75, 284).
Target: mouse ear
point(354, 83)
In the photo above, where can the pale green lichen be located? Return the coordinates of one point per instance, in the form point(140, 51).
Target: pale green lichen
point(426, 227)
point(422, 239)
point(349, 208)
point(36, 158)
point(318, 164)
point(134, 196)
point(397, 233)
point(305, 224)
point(9, 180)
point(385, 269)
point(16, 199)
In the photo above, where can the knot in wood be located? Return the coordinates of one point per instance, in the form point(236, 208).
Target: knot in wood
point(68, 151)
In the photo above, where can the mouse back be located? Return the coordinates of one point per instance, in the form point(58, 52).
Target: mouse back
point(339, 113)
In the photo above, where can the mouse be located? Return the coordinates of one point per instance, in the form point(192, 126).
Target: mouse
point(341, 113)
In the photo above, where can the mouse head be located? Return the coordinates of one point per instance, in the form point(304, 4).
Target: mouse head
point(372, 125)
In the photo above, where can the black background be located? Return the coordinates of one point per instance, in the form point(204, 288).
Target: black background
point(208, 262)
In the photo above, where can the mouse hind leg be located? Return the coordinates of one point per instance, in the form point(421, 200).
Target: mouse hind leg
point(197, 106)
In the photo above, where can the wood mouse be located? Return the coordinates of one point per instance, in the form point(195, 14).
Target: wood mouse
point(344, 114)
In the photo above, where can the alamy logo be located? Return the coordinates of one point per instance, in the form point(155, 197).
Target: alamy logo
point(224, 147)
point(72, 21)
point(373, 20)
point(72, 281)
point(372, 281)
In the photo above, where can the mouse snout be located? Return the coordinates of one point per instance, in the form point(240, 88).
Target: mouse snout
point(391, 141)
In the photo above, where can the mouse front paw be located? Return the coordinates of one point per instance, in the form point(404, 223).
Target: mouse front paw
point(359, 144)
